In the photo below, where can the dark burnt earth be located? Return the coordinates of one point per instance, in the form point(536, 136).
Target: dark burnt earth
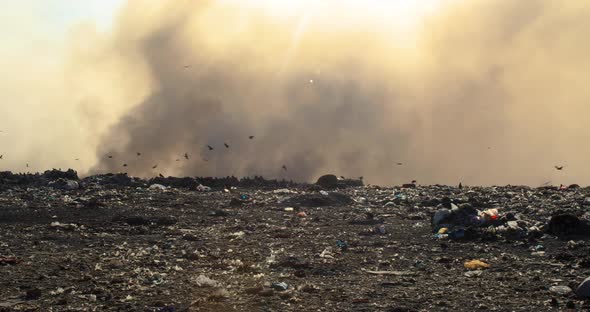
point(118, 243)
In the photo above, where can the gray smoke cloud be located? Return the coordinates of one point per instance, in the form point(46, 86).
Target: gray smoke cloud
point(484, 92)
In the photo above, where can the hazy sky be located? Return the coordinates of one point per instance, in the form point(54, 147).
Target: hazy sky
point(479, 91)
point(34, 52)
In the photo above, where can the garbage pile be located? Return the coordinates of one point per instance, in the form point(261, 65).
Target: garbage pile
point(113, 242)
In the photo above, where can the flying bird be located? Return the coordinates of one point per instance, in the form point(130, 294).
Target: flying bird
point(251, 137)
point(77, 159)
point(559, 167)
point(187, 66)
point(155, 166)
point(226, 145)
point(177, 159)
point(138, 154)
point(160, 175)
point(284, 167)
point(124, 165)
point(361, 178)
point(186, 155)
point(1, 156)
point(399, 164)
point(342, 177)
point(210, 147)
point(110, 156)
point(414, 181)
point(27, 165)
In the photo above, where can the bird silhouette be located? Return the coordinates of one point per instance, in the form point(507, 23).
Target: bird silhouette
point(413, 181)
point(342, 177)
point(210, 147)
point(361, 178)
point(160, 175)
point(226, 145)
point(27, 165)
point(559, 167)
point(251, 137)
point(124, 165)
point(284, 167)
point(110, 156)
point(460, 185)
point(138, 154)
point(399, 164)
point(186, 155)
point(177, 159)
point(155, 166)
point(187, 66)
point(1, 156)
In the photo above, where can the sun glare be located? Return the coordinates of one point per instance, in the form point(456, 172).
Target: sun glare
point(396, 13)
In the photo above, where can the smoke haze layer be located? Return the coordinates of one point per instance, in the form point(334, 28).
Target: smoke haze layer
point(483, 92)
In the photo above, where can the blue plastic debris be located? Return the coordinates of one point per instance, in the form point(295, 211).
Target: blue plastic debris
point(380, 229)
point(168, 308)
point(342, 244)
point(459, 233)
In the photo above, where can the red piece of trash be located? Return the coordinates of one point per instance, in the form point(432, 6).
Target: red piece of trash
point(8, 260)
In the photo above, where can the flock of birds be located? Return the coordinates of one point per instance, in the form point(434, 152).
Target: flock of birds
point(155, 166)
point(187, 156)
point(211, 148)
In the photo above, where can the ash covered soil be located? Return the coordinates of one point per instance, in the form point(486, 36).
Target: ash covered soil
point(115, 243)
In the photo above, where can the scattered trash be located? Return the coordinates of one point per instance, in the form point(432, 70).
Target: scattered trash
point(8, 260)
point(167, 308)
point(476, 265)
point(318, 200)
point(64, 227)
point(219, 294)
point(394, 273)
point(202, 188)
point(280, 286)
point(380, 229)
point(342, 244)
point(474, 273)
point(109, 246)
point(302, 214)
point(488, 215)
point(158, 187)
point(560, 290)
point(64, 184)
point(284, 191)
point(204, 281)
point(33, 294)
point(567, 224)
point(328, 181)
point(583, 290)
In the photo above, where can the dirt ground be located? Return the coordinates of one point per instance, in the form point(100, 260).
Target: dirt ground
point(102, 247)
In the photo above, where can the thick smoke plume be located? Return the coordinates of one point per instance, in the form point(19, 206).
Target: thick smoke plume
point(483, 92)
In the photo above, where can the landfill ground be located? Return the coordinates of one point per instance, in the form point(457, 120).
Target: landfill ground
point(113, 243)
